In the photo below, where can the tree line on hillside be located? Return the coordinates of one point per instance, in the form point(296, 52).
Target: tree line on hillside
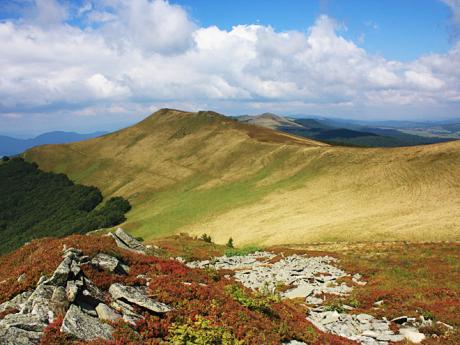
point(35, 204)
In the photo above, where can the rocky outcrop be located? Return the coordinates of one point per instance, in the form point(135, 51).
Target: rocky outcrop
point(85, 306)
point(128, 242)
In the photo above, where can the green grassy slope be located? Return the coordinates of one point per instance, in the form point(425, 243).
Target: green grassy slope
point(202, 172)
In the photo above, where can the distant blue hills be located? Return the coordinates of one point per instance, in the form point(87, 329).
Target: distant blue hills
point(10, 146)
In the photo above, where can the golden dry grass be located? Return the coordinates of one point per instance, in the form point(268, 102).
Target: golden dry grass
point(201, 172)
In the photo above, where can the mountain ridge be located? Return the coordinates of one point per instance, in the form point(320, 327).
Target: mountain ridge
point(203, 172)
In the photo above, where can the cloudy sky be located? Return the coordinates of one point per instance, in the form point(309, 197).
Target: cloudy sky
point(89, 65)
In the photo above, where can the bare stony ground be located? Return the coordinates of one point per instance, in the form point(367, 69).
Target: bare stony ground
point(310, 278)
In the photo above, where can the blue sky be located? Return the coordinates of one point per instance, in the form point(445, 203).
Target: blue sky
point(90, 65)
point(396, 29)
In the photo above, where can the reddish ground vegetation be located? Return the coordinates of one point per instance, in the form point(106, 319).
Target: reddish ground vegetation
point(53, 336)
point(7, 312)
point(412, 279)
point(42, 257)
point(188, 247)
point(196, 295)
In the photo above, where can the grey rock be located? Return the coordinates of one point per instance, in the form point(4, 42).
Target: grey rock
point(303, 290)
point(59, 302)
point(17, 336)
point(126, 241)
point(24, 322)
point(412, 334)
point(108, 263)
point(22, 277)
point(91, 293)
point(17, 302)
point(104, 312)
point(61, 274)
point(75, 268)
point(83, 326)
point(314, 300)
point(71, 290)
point(39, 303)
point(129, 315)
point(137, 296)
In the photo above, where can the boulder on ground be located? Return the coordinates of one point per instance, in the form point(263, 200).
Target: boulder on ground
point(127, 241)
point(137, 296)
point(108, 263)
point(412, 334)
point(83, 326)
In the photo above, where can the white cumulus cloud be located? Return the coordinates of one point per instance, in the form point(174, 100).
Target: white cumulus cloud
point(138, 55)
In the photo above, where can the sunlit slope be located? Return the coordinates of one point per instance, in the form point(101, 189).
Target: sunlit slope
point(201, 172)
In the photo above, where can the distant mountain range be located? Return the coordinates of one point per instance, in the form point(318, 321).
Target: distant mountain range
point(12, 146)
point(358, 133)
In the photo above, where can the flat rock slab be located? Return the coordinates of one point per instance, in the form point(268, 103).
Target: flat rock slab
point(137, 295)
point(83, 326)
point(303, 290)
point(126, 241)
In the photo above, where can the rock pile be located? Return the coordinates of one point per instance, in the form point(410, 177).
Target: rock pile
point(310, 278)
point(68, 292)
point(362, 328)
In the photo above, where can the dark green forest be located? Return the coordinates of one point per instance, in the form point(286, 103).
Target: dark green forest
point(35, 204)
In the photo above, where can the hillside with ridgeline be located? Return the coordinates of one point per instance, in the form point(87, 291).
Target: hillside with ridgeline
point(222, 221)
point(204, 172)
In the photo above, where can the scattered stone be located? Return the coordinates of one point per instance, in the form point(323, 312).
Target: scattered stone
point(108, 263)
point(303, 290)
point(126, 241)
point(445, 325)
point(311, 276)
point(22, 277)
point(104, 312)
point(412, 334)
point(379, 303)
point(83, 326)
point(137, 296)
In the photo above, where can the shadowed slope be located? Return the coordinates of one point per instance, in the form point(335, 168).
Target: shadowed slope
point(202, 172)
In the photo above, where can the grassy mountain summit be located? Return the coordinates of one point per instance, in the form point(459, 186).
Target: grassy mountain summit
point(203, 172)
